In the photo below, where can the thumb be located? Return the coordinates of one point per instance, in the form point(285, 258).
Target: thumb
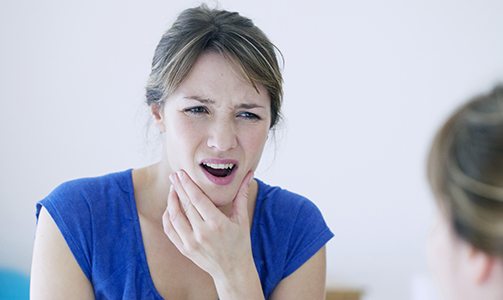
point(240, 203)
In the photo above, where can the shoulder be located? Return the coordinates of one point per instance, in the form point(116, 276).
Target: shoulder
point(82, 194)
point(92, 185)
point(284, 204)
point(288, 213)
point(87, 211)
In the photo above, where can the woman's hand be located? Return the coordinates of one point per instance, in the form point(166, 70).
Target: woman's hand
point(218, 244)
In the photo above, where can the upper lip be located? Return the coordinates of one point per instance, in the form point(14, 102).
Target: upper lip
point(219, 161)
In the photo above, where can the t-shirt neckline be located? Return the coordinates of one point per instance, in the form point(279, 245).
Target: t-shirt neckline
point(137, 228)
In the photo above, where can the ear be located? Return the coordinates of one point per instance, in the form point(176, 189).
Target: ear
point(158, 115)
point(481, 265)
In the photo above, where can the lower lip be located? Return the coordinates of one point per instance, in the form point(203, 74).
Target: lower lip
point(220, 180)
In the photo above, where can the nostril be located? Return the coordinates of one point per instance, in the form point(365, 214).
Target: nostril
point(222, 141)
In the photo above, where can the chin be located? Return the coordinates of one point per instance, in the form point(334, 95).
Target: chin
point(220, 196)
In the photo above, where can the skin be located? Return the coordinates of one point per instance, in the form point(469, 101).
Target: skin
point(190, 225)
point(460, 270)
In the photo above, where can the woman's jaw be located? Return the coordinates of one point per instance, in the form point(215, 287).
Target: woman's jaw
point(218, 178)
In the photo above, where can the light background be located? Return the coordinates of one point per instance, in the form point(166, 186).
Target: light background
point(366, 85)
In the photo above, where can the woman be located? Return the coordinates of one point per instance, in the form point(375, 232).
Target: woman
point(465, 171)
point(195, 225)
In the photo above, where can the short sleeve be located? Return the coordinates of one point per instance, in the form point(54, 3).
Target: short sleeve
point(309, 234)
point(70, 210)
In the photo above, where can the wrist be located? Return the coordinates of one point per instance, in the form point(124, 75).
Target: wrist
point(239, 283)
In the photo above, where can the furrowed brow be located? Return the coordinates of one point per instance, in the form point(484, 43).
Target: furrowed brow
point(200, 99)
point(248, 106)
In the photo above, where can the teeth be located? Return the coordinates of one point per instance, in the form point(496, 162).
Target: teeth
point(219, 166)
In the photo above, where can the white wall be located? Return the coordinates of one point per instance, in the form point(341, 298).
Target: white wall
point(366, 84)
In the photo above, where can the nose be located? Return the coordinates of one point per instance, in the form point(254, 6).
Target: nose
point(222, 136)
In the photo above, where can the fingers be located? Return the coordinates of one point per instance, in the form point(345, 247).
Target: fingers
point(185, 199)
point(240, 204)
point(177, 227)
point(205, 208)
point(170, 230)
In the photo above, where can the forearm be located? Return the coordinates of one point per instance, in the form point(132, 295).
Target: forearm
point(243, 284)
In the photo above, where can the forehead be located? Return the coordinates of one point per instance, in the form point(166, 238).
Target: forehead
point(216, 77)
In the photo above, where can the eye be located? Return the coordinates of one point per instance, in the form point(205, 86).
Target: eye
point(196, 110)
point(249, 116)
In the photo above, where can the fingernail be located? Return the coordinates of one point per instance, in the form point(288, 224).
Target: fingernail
point(180, 174)
point(171, 179)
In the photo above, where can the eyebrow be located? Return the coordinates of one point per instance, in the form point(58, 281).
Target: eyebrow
point(248, 106)
point(210, 101)
point(200, 99)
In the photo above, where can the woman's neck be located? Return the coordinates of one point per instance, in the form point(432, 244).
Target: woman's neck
point(151, 186)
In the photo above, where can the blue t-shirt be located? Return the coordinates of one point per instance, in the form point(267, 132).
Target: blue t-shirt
point(99, 221)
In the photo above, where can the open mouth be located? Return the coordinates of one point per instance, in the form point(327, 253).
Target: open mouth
point(219, 170)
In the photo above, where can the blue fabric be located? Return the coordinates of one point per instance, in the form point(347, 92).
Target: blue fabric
point(99, 221)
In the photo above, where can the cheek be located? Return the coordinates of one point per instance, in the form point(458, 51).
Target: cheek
point(182, 139)
point(253, 142)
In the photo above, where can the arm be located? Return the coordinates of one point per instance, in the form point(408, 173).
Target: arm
point(307, 282)
point(55, 274)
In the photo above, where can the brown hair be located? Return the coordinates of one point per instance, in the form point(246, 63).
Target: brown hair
point(465, 171)
point(201, 29)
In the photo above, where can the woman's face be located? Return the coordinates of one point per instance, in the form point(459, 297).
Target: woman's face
point(216, 125)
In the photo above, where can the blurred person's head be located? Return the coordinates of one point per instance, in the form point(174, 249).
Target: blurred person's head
point(465, 172)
